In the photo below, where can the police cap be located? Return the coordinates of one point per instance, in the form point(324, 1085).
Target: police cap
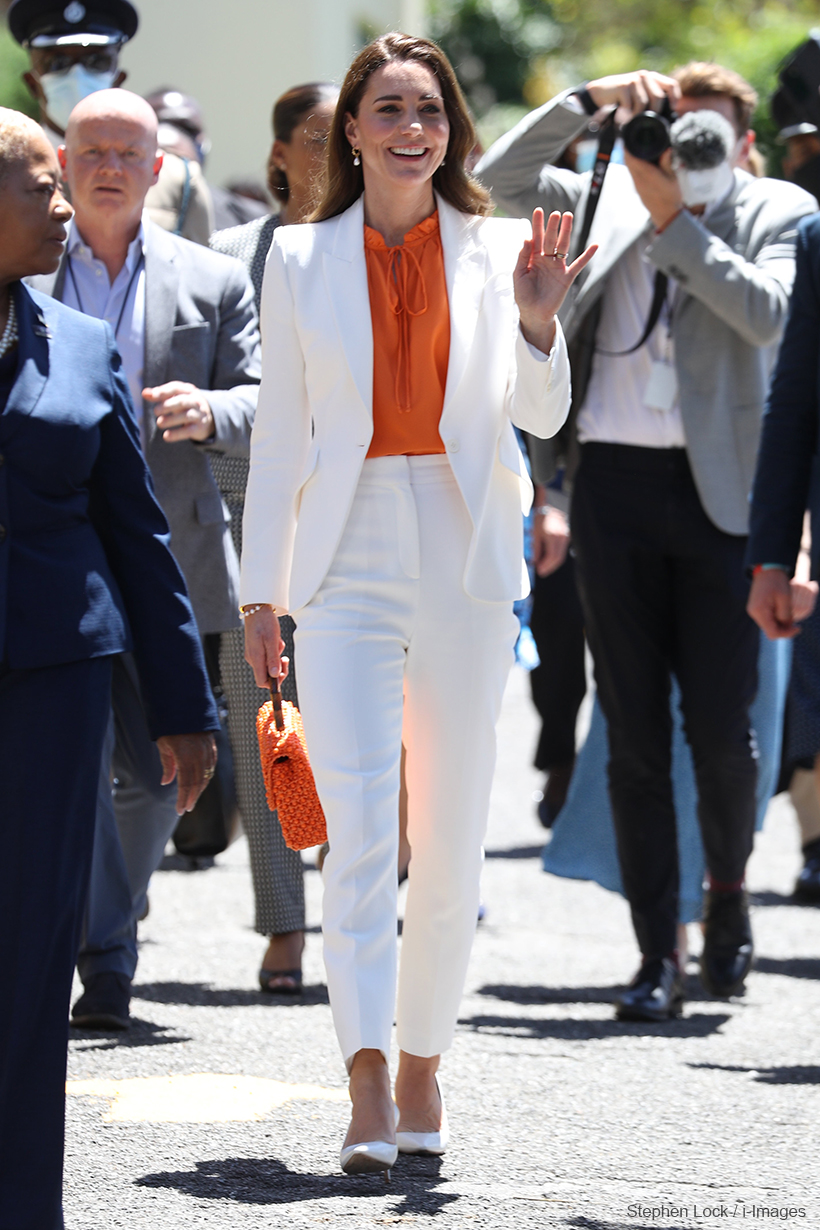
point(54, 23)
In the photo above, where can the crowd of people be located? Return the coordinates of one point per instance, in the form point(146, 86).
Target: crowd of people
point(355, 393)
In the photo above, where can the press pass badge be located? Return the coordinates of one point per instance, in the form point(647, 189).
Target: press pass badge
point(662, 387)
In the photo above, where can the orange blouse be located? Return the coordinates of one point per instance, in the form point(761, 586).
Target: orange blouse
point(411, 340)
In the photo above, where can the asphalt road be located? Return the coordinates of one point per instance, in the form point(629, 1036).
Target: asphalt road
point(225, 1108)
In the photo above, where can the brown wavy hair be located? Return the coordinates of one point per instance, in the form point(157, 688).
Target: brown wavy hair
point(288, 112)
point(703, 79)
point(345, 183)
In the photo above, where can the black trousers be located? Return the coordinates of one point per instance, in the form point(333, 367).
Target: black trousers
point(559, 683)
point(52, 723)
point(664, 590)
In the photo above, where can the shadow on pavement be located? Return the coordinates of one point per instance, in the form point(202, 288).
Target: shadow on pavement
point(790, 967)
point(517, 852)
point(697, 1025)
point(579, 995)
point(593, 1223)
point(141, 1033)
point(796, 1075)
point(550, 995)
point(254, 1180)
point(768, 897)
point(201, 995)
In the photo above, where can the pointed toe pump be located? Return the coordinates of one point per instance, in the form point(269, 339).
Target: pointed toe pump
point(370, 1157)
point(434, 1143)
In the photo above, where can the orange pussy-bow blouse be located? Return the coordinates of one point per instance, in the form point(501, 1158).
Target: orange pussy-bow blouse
point(411, 340)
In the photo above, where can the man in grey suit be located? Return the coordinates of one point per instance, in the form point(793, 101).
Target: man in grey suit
point(660, 450)
point(186, 326)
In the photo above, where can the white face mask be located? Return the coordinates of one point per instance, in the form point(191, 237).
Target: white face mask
point(704, 187)
point(64, 90)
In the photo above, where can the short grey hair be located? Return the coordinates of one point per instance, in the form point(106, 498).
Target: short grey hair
point(16, 133)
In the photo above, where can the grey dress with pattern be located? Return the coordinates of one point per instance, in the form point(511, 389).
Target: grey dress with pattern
point(276, 871)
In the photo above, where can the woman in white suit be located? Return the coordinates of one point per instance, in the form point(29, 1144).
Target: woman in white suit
point(404, 333)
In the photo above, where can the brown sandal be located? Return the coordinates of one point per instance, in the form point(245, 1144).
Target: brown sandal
point(290, 981)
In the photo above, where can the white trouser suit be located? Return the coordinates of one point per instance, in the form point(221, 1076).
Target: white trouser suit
point(392, 620)
point(400, 573)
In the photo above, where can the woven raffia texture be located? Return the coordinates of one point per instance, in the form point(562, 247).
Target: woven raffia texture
point(289, 782)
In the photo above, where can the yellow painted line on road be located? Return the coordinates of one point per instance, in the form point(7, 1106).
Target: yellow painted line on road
point(197, 1097)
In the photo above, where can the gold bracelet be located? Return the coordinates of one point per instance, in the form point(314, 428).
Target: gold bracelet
point(250, 608)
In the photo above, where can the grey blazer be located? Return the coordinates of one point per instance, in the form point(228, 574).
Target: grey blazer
point(201, 326)
point(734, 273)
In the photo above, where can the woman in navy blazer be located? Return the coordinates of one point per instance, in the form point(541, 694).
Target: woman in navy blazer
point(85, 572)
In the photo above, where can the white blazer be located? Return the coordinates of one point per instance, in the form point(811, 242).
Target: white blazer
point(314, 419)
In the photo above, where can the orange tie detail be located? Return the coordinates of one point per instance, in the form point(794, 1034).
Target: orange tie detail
point(411, 340)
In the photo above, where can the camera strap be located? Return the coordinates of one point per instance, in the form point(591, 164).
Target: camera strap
point(606, 143)
point(603, 158)
point(658, 300)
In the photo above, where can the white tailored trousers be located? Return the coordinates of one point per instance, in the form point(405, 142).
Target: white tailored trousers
point(390, 648)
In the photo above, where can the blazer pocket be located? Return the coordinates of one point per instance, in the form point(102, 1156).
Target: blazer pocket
point(190, 357)
point(211, 509)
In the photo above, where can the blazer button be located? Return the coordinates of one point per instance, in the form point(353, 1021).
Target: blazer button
point(453, 446)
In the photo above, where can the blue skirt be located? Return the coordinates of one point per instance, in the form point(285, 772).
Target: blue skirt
point(582, 845)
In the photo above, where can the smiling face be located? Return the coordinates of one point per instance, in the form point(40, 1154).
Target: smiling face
point(401, 127)
point(110, 160)
point(33, 213)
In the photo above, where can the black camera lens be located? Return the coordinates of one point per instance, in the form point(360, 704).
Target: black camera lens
point(646, 136)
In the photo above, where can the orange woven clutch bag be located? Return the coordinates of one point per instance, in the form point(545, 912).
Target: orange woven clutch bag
point(289, 782)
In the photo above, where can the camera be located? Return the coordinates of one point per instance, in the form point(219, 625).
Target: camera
point(646, 135)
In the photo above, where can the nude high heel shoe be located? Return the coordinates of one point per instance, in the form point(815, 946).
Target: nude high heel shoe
point(370, 1157)
point(427, 1142)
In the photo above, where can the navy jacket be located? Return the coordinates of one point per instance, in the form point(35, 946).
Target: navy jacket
point(786, 482)
point(85, 565)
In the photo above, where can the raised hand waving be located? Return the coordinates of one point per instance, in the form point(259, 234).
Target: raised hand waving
point(542, 277)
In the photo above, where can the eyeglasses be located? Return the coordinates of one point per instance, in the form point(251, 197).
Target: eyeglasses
point(95, 59)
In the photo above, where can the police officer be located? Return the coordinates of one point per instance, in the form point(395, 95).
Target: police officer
point(74, 50)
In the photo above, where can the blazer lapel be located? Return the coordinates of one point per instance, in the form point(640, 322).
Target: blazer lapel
point(161, 290)
point(619, 221)
point(33, 369)
point(465, 272)
point(345, 270)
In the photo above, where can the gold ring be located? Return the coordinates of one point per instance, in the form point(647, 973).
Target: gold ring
point(209, 773)
point(563, 255)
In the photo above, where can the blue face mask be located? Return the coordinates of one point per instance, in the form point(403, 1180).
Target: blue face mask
point(64, 90)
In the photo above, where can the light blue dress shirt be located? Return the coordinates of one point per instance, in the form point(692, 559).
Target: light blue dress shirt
point(121, 303)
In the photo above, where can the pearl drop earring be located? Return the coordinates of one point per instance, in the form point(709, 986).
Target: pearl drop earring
point(357, 162)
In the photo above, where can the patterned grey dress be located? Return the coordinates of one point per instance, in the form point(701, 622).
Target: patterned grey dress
point(276, 871)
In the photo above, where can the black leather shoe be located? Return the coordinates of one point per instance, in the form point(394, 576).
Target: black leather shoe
point(807, 888)
point(654, 994)
point(727, 943)
point(104, 1003)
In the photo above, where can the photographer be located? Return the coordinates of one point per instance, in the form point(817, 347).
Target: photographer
point(672, 332)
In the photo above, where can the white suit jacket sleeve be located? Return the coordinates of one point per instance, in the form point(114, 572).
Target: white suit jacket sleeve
point(279, 447)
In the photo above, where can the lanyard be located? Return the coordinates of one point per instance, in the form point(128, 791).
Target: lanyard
point(126, 297)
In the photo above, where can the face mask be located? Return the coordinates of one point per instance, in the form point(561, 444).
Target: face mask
point(704, 187)
point(64, 90)
point(585, 155)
